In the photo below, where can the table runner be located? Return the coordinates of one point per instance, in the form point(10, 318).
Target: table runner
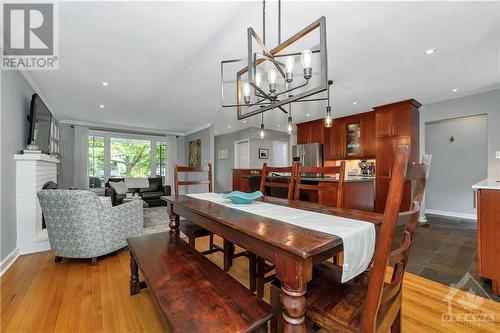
point(358, 236)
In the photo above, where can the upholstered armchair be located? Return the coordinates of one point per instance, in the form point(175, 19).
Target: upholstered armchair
point(79, 225)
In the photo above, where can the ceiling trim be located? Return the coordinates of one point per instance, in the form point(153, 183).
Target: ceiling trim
point(199, 128)
point(96, 125)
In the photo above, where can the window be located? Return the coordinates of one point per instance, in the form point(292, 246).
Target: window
point(96, 161)
point(280, 153)
point(160, 158)
point(130, 158)
point(124, 155)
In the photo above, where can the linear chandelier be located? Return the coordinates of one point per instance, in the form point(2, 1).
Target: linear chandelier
point(254, 96)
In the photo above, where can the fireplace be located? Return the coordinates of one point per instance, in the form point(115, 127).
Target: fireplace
point(33, 171)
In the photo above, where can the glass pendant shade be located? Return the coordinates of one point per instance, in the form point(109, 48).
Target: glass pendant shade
point(272, 76)
point(306, 57)
point(289, 65)
point(328, 117)
point(261, 134)
point(289, 127)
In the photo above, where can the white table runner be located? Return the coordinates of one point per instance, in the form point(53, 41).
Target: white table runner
point(358, 236)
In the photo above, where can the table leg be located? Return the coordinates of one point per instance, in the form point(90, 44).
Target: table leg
point(294, 305)
point(134, 277)
point(174, 220)
point(228, 255)
point(294, 274)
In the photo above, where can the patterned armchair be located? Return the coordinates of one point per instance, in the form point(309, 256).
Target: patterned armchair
point(79, 225)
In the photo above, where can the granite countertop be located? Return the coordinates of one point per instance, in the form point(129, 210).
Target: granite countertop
point(487, 184)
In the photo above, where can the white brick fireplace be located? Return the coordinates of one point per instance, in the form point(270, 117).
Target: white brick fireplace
point(32, 172)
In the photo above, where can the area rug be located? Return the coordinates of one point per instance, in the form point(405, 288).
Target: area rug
point(155, 220)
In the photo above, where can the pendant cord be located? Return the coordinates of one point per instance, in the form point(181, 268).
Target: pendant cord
point(264, 22)
point(279, 22)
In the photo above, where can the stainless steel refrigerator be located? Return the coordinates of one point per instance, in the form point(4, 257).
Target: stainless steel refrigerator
point(309, 154)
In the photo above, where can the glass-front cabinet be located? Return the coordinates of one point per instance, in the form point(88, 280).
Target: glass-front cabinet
point(353, 146)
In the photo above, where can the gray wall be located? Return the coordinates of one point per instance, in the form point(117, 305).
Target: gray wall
point(16, 98)
point(223, 167)
point(485, 103)
point(66, 147)
point(207, 155)
point(455, 165)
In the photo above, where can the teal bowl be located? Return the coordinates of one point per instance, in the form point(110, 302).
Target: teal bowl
point(242, 198)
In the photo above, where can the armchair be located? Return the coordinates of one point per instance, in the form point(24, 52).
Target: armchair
point(80, 226)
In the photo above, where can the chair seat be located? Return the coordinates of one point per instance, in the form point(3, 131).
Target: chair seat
point(190, 228)
point(338, 306)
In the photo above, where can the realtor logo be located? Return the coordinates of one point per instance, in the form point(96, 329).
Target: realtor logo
point(29, 36)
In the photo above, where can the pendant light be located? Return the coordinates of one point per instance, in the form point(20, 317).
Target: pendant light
point(262, 127)
point(328, 114)
point(289, 127)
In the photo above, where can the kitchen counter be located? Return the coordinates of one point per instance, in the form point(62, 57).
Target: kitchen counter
point(348, 179)
point(487, 184)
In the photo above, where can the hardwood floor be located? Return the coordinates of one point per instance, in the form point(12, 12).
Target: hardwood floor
point(38, 295)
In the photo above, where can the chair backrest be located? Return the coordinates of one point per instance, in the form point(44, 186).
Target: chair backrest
point(72, 215)
point(266, 183)
point(338, 171)
point(185, 169)
point(390, 295)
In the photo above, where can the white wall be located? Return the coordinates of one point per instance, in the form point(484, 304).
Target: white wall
point(485, 103)
point(16, 98)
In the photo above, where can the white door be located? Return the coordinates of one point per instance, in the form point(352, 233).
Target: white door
point(280, 153)
point(242, 154)
point(459, 160)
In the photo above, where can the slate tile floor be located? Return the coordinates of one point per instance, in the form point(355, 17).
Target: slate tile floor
point(444, 250)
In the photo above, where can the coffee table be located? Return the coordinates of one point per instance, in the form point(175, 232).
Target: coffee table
point(144, 203)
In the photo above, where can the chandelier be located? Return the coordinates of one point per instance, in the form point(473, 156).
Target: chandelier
point(270, 78)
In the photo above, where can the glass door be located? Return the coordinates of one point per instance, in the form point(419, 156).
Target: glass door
point(353, 140)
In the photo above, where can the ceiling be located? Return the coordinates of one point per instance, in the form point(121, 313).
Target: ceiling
point(162, 59)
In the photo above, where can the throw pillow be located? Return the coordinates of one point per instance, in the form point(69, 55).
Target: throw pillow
point(119, 187)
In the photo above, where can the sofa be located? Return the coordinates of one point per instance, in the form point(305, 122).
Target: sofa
point(79, 225)
point(149, 194)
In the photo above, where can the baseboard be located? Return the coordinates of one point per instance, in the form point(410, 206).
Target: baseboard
point(8, 261)
point(451, 214)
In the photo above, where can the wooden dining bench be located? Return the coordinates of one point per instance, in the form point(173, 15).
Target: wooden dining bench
point(192, 293)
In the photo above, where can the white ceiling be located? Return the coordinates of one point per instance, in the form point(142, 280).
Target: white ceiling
point(162, 59)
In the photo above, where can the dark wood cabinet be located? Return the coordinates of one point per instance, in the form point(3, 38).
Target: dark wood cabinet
point(334, 141)
point(395, 124)
point(311, 132)
point(351, 137)
point(488, 246)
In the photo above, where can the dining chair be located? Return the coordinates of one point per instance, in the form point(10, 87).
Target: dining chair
point(271, 178)
point(368, 303)
point(325, 187)
point(188, 227)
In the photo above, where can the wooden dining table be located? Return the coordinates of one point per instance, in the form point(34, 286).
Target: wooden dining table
point(292, 249)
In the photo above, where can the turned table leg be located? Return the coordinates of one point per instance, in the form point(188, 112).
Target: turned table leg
point(174, 220)
point(134, 276)
point(294, 306)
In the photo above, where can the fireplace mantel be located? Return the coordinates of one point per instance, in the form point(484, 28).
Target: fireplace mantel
point(32, 172)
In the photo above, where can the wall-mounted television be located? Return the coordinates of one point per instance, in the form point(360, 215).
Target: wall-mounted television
point(40, 120)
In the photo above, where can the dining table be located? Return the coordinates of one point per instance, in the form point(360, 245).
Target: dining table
point(292, 249)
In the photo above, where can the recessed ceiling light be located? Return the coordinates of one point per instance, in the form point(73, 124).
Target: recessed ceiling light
point(244, 121)
point(307, 114)
point(430, 51)
point(354, 103)
point(101, 106)
point(279, 125)
point(104, 83)
point(454, 90)
point(228, 126)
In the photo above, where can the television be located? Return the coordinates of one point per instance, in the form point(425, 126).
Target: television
point(40, 120)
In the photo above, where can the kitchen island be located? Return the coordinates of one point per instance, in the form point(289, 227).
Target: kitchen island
point(488, 231)
point(359, 191)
